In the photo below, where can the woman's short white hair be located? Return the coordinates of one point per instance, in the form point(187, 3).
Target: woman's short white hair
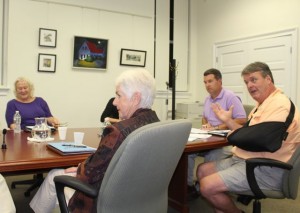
point(138, 80)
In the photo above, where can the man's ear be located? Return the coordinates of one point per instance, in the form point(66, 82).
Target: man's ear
point(269, 78)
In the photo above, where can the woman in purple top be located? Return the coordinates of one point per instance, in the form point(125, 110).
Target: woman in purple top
point(30, 107)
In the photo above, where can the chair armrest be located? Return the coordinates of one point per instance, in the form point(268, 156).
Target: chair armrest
point(251, 163)
point(74, 183)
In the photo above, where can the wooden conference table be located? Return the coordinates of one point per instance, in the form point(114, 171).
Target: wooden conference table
point(23, 156)
point(178, 195)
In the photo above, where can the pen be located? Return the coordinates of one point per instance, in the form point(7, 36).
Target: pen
point(63, 124)
point(79, 146)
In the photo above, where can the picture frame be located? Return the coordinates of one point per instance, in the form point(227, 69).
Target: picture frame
point(90, 53)
point(46, 62)
point(130, 57)
point(47, 37)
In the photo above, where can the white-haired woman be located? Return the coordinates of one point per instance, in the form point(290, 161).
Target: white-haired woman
point(135, 92)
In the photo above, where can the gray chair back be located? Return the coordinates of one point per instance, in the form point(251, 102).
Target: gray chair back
point(291, 178)
point(138, 176)
point(248, 108)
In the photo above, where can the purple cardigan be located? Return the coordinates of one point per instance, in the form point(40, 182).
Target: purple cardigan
point(28, 111)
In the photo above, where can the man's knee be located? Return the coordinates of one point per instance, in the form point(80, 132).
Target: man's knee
point(206, 187)
point(205, 169)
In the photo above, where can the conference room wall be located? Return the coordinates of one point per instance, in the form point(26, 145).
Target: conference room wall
point(81, 101)
point(77, 96)
point(219, 21)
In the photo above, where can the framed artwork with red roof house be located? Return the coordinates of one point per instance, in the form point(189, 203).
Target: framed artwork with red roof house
point(90, 53)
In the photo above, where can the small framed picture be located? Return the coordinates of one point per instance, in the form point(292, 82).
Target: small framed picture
point(46, 62)
point(47, 37)
point(133, 57)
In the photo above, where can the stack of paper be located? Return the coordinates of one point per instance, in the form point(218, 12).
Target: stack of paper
point(198, 134)
point(203, 134)
point(198, 131)
point(194, 136)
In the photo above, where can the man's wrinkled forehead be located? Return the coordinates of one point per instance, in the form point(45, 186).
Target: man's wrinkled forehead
point(255, 73)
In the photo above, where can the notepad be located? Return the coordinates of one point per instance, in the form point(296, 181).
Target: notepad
point(69, 148)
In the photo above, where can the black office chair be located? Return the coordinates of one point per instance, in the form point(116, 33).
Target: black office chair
point(289, 185)
point(35, 183)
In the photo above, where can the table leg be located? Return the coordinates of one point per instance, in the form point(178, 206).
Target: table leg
point(178, 186)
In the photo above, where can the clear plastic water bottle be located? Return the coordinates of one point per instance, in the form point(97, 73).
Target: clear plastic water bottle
point(17, 121)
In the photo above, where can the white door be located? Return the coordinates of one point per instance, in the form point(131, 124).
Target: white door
point(275, 50)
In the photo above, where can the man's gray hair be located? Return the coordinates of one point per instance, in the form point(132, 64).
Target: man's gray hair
point(258, 67)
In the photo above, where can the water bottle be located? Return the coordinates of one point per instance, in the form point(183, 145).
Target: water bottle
point(17, 121)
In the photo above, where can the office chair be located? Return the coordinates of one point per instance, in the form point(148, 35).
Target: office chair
point(289, 184)
point(35, 183)
point(248, 108)
point(138, 175)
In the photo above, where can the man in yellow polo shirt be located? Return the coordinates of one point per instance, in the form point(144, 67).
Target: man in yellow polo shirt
point(229, 175)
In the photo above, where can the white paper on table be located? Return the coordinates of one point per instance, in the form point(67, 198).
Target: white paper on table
point(195, 136)
point(199, 131)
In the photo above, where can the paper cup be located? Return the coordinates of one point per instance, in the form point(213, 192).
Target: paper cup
point(62, 132)
point(78, 137)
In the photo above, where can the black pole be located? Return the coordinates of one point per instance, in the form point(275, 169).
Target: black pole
point(173, 69)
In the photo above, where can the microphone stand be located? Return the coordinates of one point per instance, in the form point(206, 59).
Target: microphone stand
point(4, 144)
point(167, 101)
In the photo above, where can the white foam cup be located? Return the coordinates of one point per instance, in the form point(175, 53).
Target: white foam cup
point(62, 132)
point(78, 137)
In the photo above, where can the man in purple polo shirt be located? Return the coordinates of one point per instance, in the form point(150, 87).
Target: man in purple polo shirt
point(224, 97)
point(227, 99)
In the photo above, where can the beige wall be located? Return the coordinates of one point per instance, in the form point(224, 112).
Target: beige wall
point(79, 96)
point(231, 19)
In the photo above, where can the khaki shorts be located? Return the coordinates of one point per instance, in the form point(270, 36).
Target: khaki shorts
point(233, 173)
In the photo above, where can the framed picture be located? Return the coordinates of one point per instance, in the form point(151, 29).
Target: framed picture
point(90, 53)
point(46, 62)
point(47, 37)
point(133, 57)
